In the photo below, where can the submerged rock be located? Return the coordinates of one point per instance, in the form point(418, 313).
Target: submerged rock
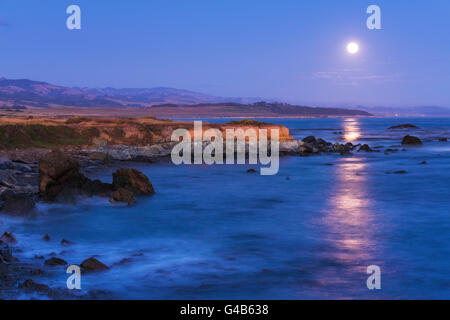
point(310, 139)
point(55, 262)
point(30, 285)
point(443, 139)
point(92, 265)
point(404, 126)
point(132, 180)
point(365, 148)
point(251, 170)
point(65, 242)
point(123, 195)
point(411, 140)
point(17, 204)
point(46, 238)
point(8, 238)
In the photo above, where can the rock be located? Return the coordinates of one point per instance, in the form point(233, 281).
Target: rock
point(411, 140)
point(423, 162)
point(101, 156)
point(55, 262)
point(55, 171)
point(65, 242)
point(30, 285)
point(288, 146)
point(310, 139)
point(99, 142)
point(443, 139)
point(46, 238)
point(251, 170)
point(123, 195)
point(400, 172)
point(17, 204)
point(6, 254)
point(93, 264)
point(8, 238)
point(132, 180)
point(404, 126)
point(365, 148)
point(60, 179)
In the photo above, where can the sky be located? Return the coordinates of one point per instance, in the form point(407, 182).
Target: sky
point(291, 51)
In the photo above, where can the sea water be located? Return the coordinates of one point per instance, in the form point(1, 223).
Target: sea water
point(309, 232)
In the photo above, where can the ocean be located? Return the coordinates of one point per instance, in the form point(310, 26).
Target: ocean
point(309, 232)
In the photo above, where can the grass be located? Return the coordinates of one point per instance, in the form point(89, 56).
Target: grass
point(247, 122)
point(39, 136)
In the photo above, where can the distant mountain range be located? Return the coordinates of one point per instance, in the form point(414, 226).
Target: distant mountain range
point(159, 101)
point(42, 94)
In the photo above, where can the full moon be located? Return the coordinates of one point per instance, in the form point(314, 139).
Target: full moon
point(352, 47)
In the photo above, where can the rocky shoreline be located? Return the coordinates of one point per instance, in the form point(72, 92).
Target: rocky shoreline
point(30, 176)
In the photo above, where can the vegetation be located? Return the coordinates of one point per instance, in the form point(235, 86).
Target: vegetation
point(247, 122)
point(39, 136)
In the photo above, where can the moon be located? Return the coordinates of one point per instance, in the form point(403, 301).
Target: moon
point(352, 47)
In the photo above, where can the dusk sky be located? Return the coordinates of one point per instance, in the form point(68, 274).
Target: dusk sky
point(292, 51)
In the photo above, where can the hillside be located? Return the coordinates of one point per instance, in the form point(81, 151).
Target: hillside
point(18, 95)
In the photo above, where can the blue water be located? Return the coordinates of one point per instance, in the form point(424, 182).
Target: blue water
point(310, 232)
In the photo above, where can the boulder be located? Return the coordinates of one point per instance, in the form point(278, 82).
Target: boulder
point(8, 238)
point(17, 204)
point(132, 180)
point(123, 195)
point(404, 126)
point(65, 242)
point(56, 170)
point(60, 179)
point(411, 140)
point(55, 262)
point(6, 254)
point(100, 156)
point(30, 285)
point(46, 238)
point(365, 148)
point(92, 265)
point(251, 170)
point(310, 139)
point(443, 139)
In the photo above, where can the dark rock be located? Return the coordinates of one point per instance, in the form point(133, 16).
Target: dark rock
point(443, 139)
point(8, 238)
point(100, 156)
point(55, 262)
point(92, 264)
point(404, 126)
point(365, 148)
point(6, 254)
point(17, 204)
point(60, 179)
point(400, 172)
point(30, 285)
point(251, 170)
point(46, 238)
point(65, 242)
point(423, 162)
point(310, 139)
point(411, 140)
point(133, 180)
point(123, 195)
point(55, 171)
